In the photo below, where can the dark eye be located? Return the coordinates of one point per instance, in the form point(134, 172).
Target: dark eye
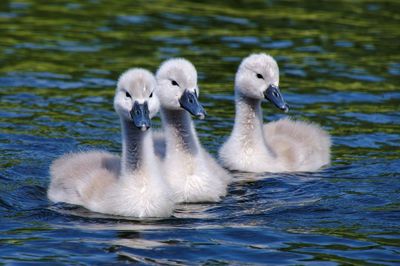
point(173, 82)
point(260, 76)
point(128, 95)
point(151, 94)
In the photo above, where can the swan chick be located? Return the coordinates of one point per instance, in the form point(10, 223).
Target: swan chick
point(192, 172)
point(281, 146)
point(131, 185)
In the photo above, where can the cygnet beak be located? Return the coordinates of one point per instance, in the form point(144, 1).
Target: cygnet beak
point(189, 102)
point(140, 116)
point(273, 95)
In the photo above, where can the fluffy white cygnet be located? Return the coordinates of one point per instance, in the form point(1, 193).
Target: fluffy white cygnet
point(281, 146)
point(191, 171)
point(103, 182)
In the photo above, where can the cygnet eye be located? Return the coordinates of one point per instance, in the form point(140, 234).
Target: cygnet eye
point(174, 83)
point(128, 95)
point(260, 76)
point(151, 94)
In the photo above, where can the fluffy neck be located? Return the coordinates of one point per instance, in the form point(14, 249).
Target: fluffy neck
point(137, 148)
point(179, 132)
point(248, 127)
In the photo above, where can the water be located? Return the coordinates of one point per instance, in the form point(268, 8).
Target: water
point(340, 67)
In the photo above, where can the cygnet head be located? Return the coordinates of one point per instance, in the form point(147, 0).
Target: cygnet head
point(177, 87)
point(135, 99)
point(258, 78)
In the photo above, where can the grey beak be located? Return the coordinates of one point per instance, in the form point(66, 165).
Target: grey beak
point(140, 115)
point(189, 102)
point(273, 95)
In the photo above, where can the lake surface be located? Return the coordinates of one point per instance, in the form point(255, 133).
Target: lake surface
point(340, 67)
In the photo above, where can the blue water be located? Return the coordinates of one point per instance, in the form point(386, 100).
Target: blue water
point(340, 68)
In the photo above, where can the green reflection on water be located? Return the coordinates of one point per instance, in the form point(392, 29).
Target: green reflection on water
point(334, 46)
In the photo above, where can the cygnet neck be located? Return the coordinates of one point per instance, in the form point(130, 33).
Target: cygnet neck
point(179, 132)
point(137, 147)
point(248, 127)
